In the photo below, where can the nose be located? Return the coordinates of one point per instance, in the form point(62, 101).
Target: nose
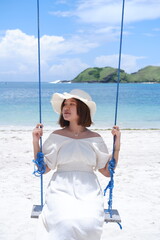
point(66, 107)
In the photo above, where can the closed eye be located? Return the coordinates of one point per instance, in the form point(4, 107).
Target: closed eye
point(70, 103)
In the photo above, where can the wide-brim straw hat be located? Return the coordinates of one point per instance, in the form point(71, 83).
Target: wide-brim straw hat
point(58, 98)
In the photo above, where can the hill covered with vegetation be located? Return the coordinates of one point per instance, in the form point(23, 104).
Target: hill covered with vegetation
point(109, 75)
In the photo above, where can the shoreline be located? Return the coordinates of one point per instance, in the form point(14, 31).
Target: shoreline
point(51, 128)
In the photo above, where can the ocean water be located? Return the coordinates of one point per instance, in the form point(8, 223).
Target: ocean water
point(139, 104)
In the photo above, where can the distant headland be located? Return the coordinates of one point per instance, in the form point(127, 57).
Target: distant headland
point(149, 74)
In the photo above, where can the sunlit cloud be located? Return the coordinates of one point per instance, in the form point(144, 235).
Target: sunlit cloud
point(18, 54)
point(109, 12)
point(67, 69)
point(156, 29)
point(129, 63)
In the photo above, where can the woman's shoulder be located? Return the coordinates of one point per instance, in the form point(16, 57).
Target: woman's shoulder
point(53, 137)
point(93, 134)
point(58, 131)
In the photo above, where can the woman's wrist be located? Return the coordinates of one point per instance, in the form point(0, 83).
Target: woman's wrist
point(117, 150)
point(117, 147)
point(35, 140)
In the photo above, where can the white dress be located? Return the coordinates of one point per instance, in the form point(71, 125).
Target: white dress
point(73, 208)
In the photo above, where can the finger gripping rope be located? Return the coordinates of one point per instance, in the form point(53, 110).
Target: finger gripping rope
point(40, 165)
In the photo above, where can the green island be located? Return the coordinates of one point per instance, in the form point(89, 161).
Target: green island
point(149, 74)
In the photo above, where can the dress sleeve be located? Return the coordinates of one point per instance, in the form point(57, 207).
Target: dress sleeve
point(49, 149)
point(102, 154)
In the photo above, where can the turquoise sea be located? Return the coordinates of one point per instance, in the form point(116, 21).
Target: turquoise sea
point(139, 104)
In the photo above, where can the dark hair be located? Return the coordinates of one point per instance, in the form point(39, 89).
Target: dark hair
point(83, 112)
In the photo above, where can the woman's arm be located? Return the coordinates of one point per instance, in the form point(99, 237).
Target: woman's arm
point(37, 133)
point(117, 134)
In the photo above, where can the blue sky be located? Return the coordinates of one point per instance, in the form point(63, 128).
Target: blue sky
point(75, 35)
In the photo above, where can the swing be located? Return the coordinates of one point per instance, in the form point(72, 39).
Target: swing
point(111, 215)
point(36, 210)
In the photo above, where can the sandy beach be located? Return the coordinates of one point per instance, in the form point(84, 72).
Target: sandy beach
point(136, 192)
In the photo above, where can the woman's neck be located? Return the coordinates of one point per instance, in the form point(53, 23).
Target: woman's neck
point(76, 129)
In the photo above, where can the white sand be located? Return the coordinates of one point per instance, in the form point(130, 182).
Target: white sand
point(136, 192)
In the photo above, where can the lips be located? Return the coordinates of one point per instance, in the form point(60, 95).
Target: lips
point(66, 114)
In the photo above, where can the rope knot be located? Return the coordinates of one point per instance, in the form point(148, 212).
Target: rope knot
point(40, 164)
point(111, 166)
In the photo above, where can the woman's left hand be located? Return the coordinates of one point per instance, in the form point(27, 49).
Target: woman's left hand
point(116, 132)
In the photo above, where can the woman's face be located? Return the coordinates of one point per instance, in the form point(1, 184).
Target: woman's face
point(69, 110)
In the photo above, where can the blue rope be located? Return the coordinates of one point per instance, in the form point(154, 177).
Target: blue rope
point(40, 165)
point(40, 157)
point(110, 186)
point(119, 63)
point(39, 64)
point(40, 104)
point(112, 162)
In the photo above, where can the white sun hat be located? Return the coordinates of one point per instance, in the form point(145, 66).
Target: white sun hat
point(58, 98)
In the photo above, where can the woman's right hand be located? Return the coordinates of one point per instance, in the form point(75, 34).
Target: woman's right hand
point(37, 132)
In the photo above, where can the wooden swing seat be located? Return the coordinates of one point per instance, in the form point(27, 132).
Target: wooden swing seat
point(36, 211)
point(115, 216)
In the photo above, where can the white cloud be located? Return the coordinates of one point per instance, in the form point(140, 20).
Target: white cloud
point(109, 12)
point(142, 10)
point(107, 30)
point(62, 14)
point(18, 52)
point(149, 34)
point(15, 42)
point(100, 19)
point(156, 29)
point(129, 63)
point(67, 69)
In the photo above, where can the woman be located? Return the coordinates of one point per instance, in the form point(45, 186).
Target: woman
point(74, 209)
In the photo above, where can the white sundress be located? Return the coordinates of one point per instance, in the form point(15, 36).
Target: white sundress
point(73, 208)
